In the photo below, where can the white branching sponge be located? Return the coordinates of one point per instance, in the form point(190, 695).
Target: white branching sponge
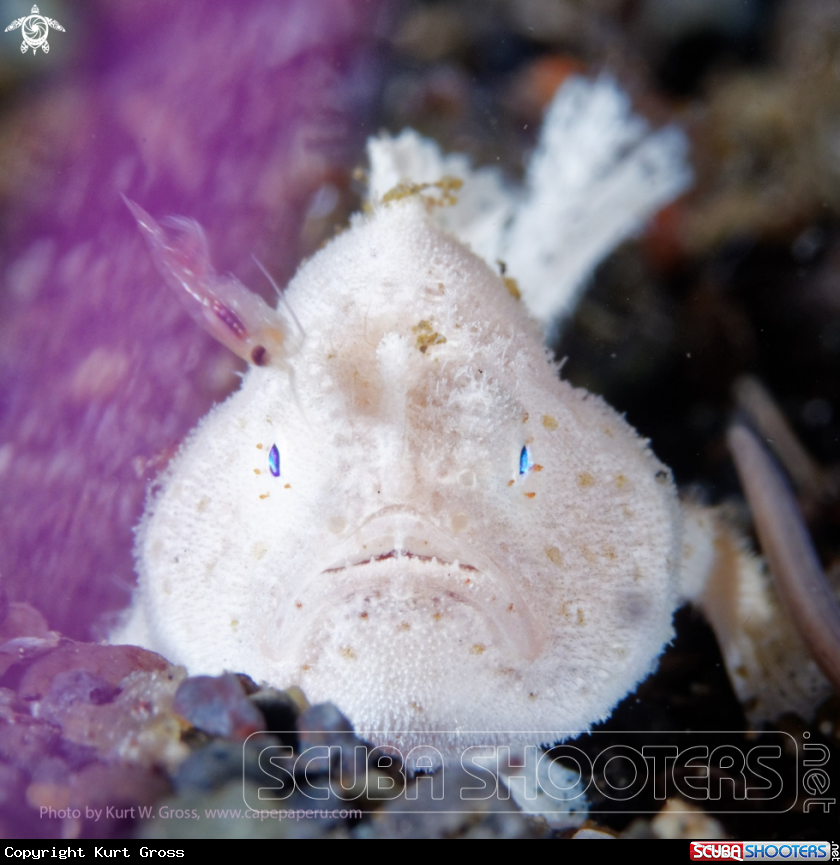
point(598, 173)
point(404, 510)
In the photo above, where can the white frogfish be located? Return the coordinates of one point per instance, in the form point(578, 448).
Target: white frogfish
point(404, 510)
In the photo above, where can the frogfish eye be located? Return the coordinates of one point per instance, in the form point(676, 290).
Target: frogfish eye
point(274, 461)
point(525, 461)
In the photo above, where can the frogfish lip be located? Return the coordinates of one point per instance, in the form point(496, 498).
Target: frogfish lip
point(434, 564)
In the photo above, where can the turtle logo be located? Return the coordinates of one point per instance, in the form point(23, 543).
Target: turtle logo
point(35, 28)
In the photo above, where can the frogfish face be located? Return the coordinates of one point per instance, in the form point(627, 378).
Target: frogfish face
point(414, 517)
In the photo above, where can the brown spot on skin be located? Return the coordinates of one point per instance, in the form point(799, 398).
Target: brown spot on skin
point(201, 507)
point(525, 419)
point(529, 495)
point(363, 615)
point(347, 652)
point(426, 336)
point(621, 482)
point(585, 480)
point(608, 432)
point(436, 617)
point(417, 707)
point(588, 555)
point(447, 185)
point(564, 610)
point(580, 618)
point(298, 604)
point(404, 626)
point(549, 422)
point(477, 649)
point(532, 696)
point(256, 471)
point(287, 486)
point(259, 356)
point(510, 608)
point(537, 468)
point(305, 668)
point(513, 287)
point(554, 554)
point(259, 447)
point(511, 483)
point(264, 495)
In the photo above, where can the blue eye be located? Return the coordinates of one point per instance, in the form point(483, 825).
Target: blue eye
point(274, 461)
point(525, 461)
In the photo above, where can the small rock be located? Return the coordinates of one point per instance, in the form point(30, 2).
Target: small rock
point(548, 790)
point(22, 649)
point(325, 732)
point(218, 706)
point(323, 725)
point(249, 686)
point(23, 634)
point(223, 760)
point(111, 663)
point(279, 710)
point(592, 834)
point(71, 687)
point(200, 814)
point(417, 813)
point(25, 741)
point(21, 620)
point(682, 820)
point(132, 722)
point(118, 785)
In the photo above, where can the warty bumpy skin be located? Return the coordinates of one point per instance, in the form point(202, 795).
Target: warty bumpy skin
point(404, 510)
point(413, 516)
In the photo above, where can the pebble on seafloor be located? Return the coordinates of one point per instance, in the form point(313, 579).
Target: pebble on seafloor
point(85, 728)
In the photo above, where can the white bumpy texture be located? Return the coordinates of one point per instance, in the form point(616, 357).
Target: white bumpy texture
point(460, 547)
